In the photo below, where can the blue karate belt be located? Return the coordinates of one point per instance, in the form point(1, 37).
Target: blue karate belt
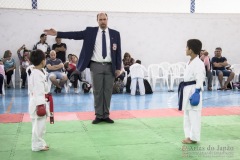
point(180, 92)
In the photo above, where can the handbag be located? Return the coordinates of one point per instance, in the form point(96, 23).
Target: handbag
point(41, 110)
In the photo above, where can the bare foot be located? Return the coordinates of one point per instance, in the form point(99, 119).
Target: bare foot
point(188, 141)
point(44, 149)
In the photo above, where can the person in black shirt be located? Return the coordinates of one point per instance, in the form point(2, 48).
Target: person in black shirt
point(219, 68)
point(60, 49)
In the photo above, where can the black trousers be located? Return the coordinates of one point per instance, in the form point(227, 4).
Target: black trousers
point(23, 76)
point(1, 82)
point(9, 76)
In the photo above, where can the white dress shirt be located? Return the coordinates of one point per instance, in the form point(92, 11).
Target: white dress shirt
point(97, 52)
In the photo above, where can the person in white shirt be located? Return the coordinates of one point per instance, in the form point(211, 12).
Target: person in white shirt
point(137, 74)
point(43, 45)
point(38, 87)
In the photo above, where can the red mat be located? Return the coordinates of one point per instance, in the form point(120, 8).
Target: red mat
point(11, 118)
point(129, 114)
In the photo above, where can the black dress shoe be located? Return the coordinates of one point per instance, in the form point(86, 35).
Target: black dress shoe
point(108, 120)
point(97, 120)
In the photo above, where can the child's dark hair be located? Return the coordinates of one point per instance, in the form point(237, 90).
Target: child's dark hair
point(195, 45)
point(37, 56)
point(138, 61)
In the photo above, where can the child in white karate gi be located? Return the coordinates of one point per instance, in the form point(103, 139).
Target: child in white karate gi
point(38, 87)
point(192, 93)
point(137, 74)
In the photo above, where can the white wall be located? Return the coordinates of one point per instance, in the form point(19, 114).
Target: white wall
point(160, 6)
point(151, 37)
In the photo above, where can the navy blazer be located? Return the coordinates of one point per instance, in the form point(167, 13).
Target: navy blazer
point(89, 37)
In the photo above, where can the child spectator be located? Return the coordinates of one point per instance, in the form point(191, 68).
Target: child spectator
point(137, 74)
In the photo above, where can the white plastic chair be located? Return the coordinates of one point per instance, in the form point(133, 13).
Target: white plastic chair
point(236, 69)
point(20, 82)
point(216, 81)
point(29, 68)
point(158, 73)
point(165, 65)
point(176, 72)
point(13, 78)
point(149, 78)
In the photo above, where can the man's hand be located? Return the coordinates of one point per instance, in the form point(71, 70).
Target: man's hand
point(117, 73)
point(51, 32)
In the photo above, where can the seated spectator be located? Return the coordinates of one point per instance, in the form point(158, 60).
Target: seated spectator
point(2, 75)
point(69, 57)
point(9, 66)
point(24, 63)
point(219, 67)
point(127, 61)
point(74, 75)
point(54, 68)
point(137, 75)
point(70, 67)
point(60, 49)
point(206, 59)
point(42, 45)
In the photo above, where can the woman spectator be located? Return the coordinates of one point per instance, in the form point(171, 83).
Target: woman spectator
point(127, 61)
point(24, 63)
point(9, 66)
point(206, 60)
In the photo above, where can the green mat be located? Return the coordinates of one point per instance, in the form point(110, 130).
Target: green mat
point(128, 139)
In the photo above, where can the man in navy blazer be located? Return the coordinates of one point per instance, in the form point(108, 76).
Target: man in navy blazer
point(101, 52)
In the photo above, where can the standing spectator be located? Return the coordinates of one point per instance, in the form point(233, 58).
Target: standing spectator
point(190, 92)
point(38, 87)
point(2, 75)
point(9, 66)
point(54, 68)
point(60, 49)
point(101, 52)
point(219, 68)
point(206, 60)
point(24, 63)
point(42, 45)
point(127, 61)
point(137, 75)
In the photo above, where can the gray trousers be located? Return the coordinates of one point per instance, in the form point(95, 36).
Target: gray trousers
point(209, 77)
point(102, 79)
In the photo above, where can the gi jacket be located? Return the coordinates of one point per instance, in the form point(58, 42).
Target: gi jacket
point(38, 87)
point(195, 71)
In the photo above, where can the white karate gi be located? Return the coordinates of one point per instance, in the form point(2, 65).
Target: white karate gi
point(38, 87)
point(195, 71)
point(137, 74)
